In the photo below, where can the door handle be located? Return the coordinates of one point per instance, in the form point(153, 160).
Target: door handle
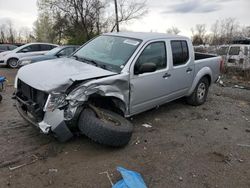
point(189, 70)
point(166, 75)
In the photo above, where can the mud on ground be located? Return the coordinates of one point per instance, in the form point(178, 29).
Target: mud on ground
point(205, 146)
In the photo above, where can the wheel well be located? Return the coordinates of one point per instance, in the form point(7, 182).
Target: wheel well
point(208, 78)
point(110, 103)
point(11, 58)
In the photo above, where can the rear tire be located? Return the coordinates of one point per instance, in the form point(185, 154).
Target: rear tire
point(13, 63)
point(111, 129)
point(199, 95)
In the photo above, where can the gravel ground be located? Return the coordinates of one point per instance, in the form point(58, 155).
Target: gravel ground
point(205, 146)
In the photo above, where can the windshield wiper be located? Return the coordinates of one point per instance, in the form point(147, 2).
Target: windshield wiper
point(90, 61)
point(93, 62)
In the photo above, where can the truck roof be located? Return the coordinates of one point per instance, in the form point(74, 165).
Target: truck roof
point(146, 35)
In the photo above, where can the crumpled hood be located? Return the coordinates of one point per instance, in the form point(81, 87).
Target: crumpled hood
point(59, 74)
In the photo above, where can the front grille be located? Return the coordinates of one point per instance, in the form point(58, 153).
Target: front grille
point(33, 99)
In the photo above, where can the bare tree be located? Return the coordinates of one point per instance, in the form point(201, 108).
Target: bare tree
point(224, 31)
point(3, 33)
point(199, 34)
point(129, 10)
point(174, 30)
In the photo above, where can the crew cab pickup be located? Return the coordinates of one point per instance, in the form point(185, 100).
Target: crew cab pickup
point(124, 72)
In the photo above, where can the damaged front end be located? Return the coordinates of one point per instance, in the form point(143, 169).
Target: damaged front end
point(58, 111)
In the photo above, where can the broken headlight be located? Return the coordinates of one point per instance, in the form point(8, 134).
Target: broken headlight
point(55, 101)
point(80, 94)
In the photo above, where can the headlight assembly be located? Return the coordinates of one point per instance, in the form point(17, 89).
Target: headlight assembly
point(55, 101)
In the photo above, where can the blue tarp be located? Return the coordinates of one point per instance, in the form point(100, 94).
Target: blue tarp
point(2, 79)
point(131, 179)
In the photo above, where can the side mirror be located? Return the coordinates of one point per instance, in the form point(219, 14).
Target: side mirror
point(147, 67)
point(25, 50)
point(60, 55)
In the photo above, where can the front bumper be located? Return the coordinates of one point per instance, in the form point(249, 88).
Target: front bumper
point(52, 122)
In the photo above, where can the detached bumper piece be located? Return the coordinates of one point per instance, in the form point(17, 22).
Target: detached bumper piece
point(59, 128)
point(30, 102)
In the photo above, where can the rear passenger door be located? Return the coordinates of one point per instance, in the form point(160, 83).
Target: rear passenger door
point(182, 68)
point(30, 50)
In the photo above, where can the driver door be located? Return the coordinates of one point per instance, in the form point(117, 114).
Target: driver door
point(149, 89)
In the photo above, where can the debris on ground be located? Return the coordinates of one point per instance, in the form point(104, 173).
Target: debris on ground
point(131, 179)
point(221, 83)
point(146, 125)
point(25, 164)
point(53, 170)
point(181, 178)
point(238, 87)
point(108, 176)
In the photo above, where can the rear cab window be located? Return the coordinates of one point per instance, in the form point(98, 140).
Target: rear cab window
point(180, 52)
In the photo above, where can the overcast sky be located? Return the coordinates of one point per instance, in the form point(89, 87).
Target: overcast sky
point(162, 14)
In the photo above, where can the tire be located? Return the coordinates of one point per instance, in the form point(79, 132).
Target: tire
point(199, 95)
point(104, 131)
point(1, 98)
point(13, 63)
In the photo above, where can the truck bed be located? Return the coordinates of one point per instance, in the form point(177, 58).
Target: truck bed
point(199, 56)
point(208, 61)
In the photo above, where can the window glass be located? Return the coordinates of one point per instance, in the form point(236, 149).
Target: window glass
point(180, 52)
point(12, 47)
point(46, 47)
point(67, 51)
point(246, 51)
point(185, 51)
point(31, 48)
point(153, 53)
point(234, 50)
point(223, 50)
point(3, 47)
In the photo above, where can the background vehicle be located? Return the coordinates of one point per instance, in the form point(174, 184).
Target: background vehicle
point(112, 75)
point(236, 55)
point(60, 51)
point(11, 58)
point(7, 47)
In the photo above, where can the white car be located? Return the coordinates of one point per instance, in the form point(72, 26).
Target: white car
point(11, 58)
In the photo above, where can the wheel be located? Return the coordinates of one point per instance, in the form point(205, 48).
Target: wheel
point(1, 98)
point(13, 63)
point(199, 95)
point(105, 127)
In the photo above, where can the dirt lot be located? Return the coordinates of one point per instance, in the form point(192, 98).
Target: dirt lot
point(205, 146)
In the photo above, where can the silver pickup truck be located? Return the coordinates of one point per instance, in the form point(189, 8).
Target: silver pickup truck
point(113, 76)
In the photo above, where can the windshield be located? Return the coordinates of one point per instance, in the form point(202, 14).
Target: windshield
point(111, 52)
point(54, 51)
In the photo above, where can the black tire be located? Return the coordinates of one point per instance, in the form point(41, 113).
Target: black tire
point(199, 95)
point(104, 131)
point(1, 98)
point(13, 63)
